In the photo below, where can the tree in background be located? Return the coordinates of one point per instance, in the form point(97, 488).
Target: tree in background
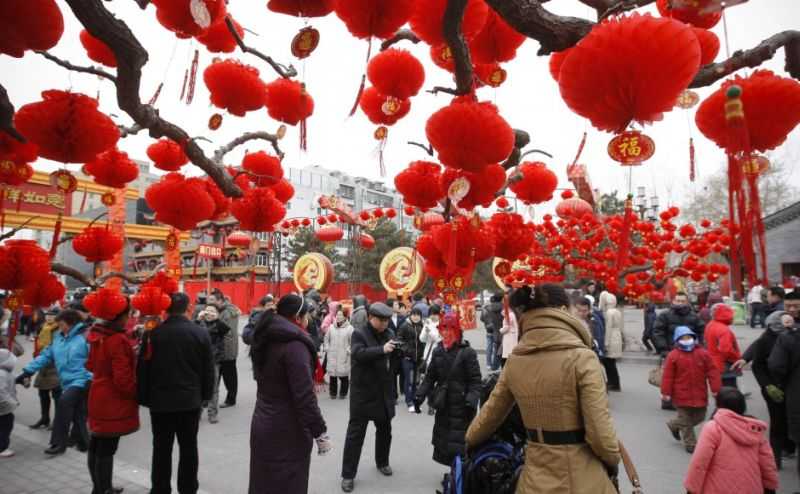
point(610, 204)
point(305, 241)
point(366, 263)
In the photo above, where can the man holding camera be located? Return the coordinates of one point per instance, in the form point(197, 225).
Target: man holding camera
point(372, 396)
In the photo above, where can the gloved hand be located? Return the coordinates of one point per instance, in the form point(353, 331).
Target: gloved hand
point(775, 393)
point(23, 379)
point(324, 444)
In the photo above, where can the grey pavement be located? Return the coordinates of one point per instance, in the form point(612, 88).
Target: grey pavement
point(224, 447)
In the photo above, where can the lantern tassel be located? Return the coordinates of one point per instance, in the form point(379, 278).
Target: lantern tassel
point(363, 82)
point(56, 235)
point(303, 135)
point(155, 96)
point(691, 160)
point(2, 208)
point(625, 234)
point(193, 77)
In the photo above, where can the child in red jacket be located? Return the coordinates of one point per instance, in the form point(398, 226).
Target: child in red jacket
point(686, 371)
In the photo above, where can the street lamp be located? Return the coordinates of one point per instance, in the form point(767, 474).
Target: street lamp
point(641, 204)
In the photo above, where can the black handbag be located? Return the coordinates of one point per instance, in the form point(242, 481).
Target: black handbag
point(439, 399)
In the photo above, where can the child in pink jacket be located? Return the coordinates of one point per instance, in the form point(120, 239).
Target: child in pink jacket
point(732, 456)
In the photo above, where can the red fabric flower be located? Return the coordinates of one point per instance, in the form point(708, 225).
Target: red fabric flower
point(179, 17)
point(427, 19)
point(288, 101)
point(179, 201)
point(29, 25)
point(167, 155)
point(97, 243)
point(218, 38)
point(378, 18)
point(265, 169)
point(105, 303)
point(112, 168)
point(496, 42)
point(533, 183)
point(97, 50)
point(381, 109)
point(234, 86)
point(396, 73)
point(22, 263)
point(45, 293)
point(258, 210)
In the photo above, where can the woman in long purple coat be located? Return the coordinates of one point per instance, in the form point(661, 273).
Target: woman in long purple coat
point(287, 418)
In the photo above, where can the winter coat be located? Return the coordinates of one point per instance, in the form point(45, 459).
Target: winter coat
point(113, 409)
point(613, 318)
point(758, 353)
point(175, 371)
point(8, 390)
point(463, 393)
point(649, 319)
point(667, 321)
point(413, 348)
point(359, 316)
point(287, 417)
point(423, 308)
point(770, 308)
point(509, 332)
point(720, 341)
point(558, 382)
point(430, 337)
point(784, 366)
point(732, 455)
point(68, 354)
point(685, 376)
point(337, 349)
point(229, 315)
point(371, 376)
point(330, 317)
point(47, 378)
point(597, 328)
point(217, 331)
point(492, 317)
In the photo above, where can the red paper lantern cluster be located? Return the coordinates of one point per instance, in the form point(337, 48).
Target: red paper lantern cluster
point(264, 169)
point(496, 42)
point(381, 109)
point(97, 50)
point(284, 190)
point(513, 236)
point(461, 244)
point(187, 18)
point(29, 25)
point(12, 173)
point(112, 168)
point(218, 38)
point(234, 86)
point(288, 101)
point(151, 301)
point(379, 18)
point(302, 8)
point(691, 13)
point(331, 233)
point(167, 155)
point(533, 183)
point(427, 19)
point(105, 303)
point(709, 45)
point(97, 243)
point(258, 210)
point(222, 203)
point(22, 263)
point(179, 201)
point(163, 282)
point(67, 127)
point(483, 185)
point(45, 293)
point(396, 73)
point(419, 184)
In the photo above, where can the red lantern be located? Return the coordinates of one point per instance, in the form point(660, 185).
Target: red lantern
point(330, 233)
point(112, 168)
point(534, 183)
point(379, 18)
point(396, 73)
point(709, 45)
point(179, 201)
point(391, 213)
point(22, 263)
point(631, 148)
point(429, 220)
point(218, 38)
point(284, 191)
point(234, 86)
point(302, 8)
point(501, 202)
point(264, 168)
point(469, 135)
point(442, 56)
point(167, 155)
point(288, 101)
point(483, 186)
point(382, 109)
point(29, 25)
point(513, 237)
point(16, 151)
point(306, 222)
point(258, 210)
point(239, 239)
point(12, 173)
point(45, 293)
point(491, 74)
point(164, 282)
point(574, 207)
point(67, 127)
point(656, 57)
point(97, 50)
point(222, 203)
point(150, 301)
point(496, 42)
point(427, 19)
point(105, 303)
point(97, 243)
point(556, 59)
point(694, 12)
point(365, 215)
point(408, 211)
point(419, 184)
point(187, 18)
point(332, 218)
point(473, 243)
point(367, 241)
point(322, 221)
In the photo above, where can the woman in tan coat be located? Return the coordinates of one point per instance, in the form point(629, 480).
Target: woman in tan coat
point(557, 380)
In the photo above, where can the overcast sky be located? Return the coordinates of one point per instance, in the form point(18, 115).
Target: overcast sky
point(529, 99)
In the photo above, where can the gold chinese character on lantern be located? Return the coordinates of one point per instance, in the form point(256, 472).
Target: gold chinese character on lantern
point(64, 181)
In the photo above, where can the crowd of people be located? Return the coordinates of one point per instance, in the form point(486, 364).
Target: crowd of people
point(552, 353)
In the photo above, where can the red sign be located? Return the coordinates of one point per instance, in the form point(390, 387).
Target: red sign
point(209, 251)
point(631, 148)
point(37, 198)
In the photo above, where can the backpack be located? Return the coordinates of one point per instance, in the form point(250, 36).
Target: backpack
point(493, 468)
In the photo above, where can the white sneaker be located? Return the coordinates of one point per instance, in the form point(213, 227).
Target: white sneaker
point(6, 453)
point(411, 409)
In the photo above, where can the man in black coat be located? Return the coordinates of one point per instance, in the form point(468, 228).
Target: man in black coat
point(492, 318)
point(679, 314)
point(175, 377)
point(372, 397)
point(775, 296)
point(784, 365)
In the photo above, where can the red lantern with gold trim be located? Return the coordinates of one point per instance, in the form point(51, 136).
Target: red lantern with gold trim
point(631, 148)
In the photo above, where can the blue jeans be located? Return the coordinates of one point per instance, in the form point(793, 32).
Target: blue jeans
point(410, 377)
point(491, 349)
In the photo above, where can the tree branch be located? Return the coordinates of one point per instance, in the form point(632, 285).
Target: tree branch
point(131, 57)
point(616, 7)
point(77, 68)
point(7, 116)
point(428, 149)
point(282, 70)
point(440, 89)
point(454, 37)
point(11, 233)
point(789, 40)
point(100, 281)
point(400, 35)
point(59, 268)
point(521, 139)
point(249, 136)
point(142, 3)
point(129, 131)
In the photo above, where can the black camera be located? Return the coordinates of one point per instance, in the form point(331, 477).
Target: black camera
point(399, 346)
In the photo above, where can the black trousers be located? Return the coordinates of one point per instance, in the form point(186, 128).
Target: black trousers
point(334, 387)
point(778, 428)
point(354, 441)
point(647, 340)
point(6, 425)
point(756, 314)
point(100, 459)
point(227, 369)
point(612, 374)
point(167, 426)
point(70, 409)
point(44, 401)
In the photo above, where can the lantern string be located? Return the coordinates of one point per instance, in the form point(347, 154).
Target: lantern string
point(725, 32)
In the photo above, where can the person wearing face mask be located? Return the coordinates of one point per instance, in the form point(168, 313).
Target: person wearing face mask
point(337, 350)
point(686, 371)
point(217, 330)
point(679, 314)
point(413, 351)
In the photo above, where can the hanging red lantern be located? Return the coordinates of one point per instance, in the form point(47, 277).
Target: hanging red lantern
point(45, 293)
point(483, 185)
point(12, 173)
point(322, 221)
point(67, 127)
point(428, 220)
point(16, 151)
point(469, 135)
point(264, 169)
point(187, 18)
point(391, 213)
point(397, 73)
point(218, 38)
point(97, 243)
point(427, 19)
point(419, 184)
point(239, 239)
point(64, 181)
point(442, 56)
point(631, 148)
point(179, 201)
point(167, 155)
point(366, 241)
point(379, 18)
point(533, 182)
point(302, 8)
point(234, 86)
point(305, 42)
point(332, 218)
point(164, 282)
point(29, 25)
point(501, 202)
point(105, 303)
point(22, 263)
point(709, 45)
point(288, 101)
point(284, 190)
point(491, 74)
point(222, 203)
point(112, 168)
point(150, 301)
point(306, 222)
point(463, 243)
point(556, 59)
point(258, 210)
point(496, 42)
point(365, 215)
point(331, 233)
point(696, 12)
point(97, 50)
point(574, 207)
point(381, 109)
point(513, 236)
point(665, 55)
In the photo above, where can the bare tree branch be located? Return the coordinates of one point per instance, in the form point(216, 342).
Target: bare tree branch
point(400, 35)
point(59, 268)
point(7, 116)
point(282, 70)
point(616, 7)
point(428, 149)
point(454, 37)
point(129, 131)
point(100, 281)
point(142, 3)
point(77, 68)
point(440, 89)
point(521, 139)
point(250, 136)
point(11, 233)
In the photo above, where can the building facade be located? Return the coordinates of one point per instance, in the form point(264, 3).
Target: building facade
point(783, 244)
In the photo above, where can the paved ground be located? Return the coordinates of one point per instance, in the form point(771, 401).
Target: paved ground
point(225, 446)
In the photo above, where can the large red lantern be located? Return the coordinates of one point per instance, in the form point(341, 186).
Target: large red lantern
point(218, 38)
point(381, 109)
point(167, 155)
point(302, 8)
point(29, 25)
point(45, 293)
point(694, 12)
point(97, 243)
point(105, 303)
point(427, 19)
point(112, 168)
point(258, 210)
point(396, 73)
point(469, 135)
point(187, 18)
point(533, 183)
point(97, 50)
point(574, 207)
point(263, 168)
point(331, 233)
point(428, 220)
point(179, 201)
point(496, 42)
point(234, 86)
point(556, 59)
point(239, 239)
point(656, 58)
point(709, 45)
point(150, 301)
point(419, 184)
point(22, 263)
point(288, 101)
point(379, 18)
point(67, 127)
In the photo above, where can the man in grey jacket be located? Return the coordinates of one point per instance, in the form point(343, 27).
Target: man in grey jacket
point(229, 315)
point(8, 400)
point(358, 319)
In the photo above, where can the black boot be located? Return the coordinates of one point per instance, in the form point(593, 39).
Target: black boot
point(41, 424)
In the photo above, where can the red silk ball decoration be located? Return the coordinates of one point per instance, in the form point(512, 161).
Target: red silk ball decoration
point(469, 135)
point(164, 282)
point(302, 8)
point(97, 50)
point(12, 173)
point(536, 183)
point(330, 233)
point(483, 185)
point(629, 68)
point(496, 42)
point(97, 243)
point(709, 45)
point(179, 201)
point(288, 101)
point(366, 241)
point(396, 73)
point(222, 203)
point(22, 263)
point(419, 184)
point(373, 103)
point(45, 293)
point(176, 15)
point(218, 38)
point(378, 18)
point(690, 14)
point(762, 93)
point(427, 19)
point(234, 86)
point(29, 25)
point(167, 155)
point(67, 127)
point(573, 207)
point(258, 210)
point(112, 168)
point(266, 169)
point(105, 303)
point(513, 237)
point(284, 190)
point(150, 301)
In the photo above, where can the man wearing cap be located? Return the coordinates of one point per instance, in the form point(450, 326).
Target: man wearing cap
point(372, 395)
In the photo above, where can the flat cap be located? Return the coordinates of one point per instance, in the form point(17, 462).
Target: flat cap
point(379, 309)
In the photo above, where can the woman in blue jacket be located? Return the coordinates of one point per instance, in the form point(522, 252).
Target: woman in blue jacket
point(68, 353)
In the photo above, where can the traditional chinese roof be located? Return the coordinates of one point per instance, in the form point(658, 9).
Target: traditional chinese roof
point(785, 215)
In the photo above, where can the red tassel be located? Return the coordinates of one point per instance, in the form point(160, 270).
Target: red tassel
point(193, 77)
point(625, 234)
point(19, 202)
point(56, 235)
point(303, 135)
point(2, 207)
point(83, 200)
point(691, 160)
point(12, 330)
point(363, 82)
point(156, 94)
point(185, 80)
